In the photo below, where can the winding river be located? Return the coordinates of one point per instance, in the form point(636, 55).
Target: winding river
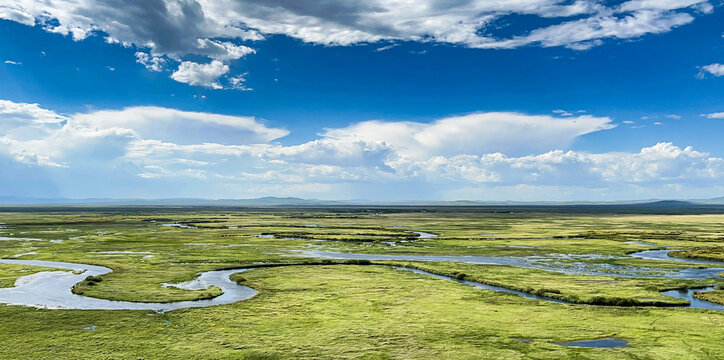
point(52, 289)
point(561, 263)
point(663, 254)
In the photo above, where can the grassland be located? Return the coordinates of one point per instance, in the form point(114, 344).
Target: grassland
point(710, 253)
point(333, 311)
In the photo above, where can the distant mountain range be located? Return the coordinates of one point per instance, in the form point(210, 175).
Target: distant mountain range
point(293, 201)
point(263, 201)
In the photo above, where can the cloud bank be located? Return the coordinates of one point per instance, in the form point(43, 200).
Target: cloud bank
point(179, 153)
point(215, 29)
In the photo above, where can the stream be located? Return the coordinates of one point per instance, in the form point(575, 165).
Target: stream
point(561, 263)
point(52, 289)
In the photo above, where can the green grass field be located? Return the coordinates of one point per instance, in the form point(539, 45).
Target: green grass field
point(354, 311)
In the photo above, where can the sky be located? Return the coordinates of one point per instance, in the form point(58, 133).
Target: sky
point(526, 100)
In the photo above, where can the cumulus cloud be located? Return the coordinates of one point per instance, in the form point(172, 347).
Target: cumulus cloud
point(167, 27)
point(176, 28)
point(474, 133)
point(209, 152)
point(662, 162)
point(712, 69)
point(347, 159)
point(17, 15)
point(206, 75)
point(40, 136)
point(224, 50)
point(27, 121)
point(180, 31)
point(182, 127)
point(349, 22)
point(13, 113)
point(150, 62)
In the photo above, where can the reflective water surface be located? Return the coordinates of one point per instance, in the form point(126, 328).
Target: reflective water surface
point(664, 255)
point(562, 263)
point(688, 294)
point(607, 343)
point(52, 289)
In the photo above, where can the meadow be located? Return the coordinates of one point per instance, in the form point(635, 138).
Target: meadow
point(310, 306)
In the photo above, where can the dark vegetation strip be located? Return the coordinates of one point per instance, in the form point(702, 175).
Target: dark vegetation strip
point(716, 296)
point(648, 235)
point(708, 254)
point(554, 293)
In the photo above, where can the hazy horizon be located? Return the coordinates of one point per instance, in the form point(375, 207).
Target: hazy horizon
point(293, 201)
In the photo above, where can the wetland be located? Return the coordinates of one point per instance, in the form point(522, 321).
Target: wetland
point(267, 283)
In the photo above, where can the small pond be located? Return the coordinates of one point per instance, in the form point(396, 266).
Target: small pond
point(607, 343)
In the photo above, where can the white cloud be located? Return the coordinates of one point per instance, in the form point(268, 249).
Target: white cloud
point(659, 163)
point(238, 82)
point(653, 166)
point(713, 69)
point(183, 127)
point(33, 113)
point(206, 75)
point(588, 32)
point(474, 133)
point(150, 62)
point(224, 50)
point(180, 31)
point(27, 121)
point(633, 5)
point(231, 156)
point(170, 28)
point(386, 47)
point(17, 15)
point(10, 62)
point(40, 136)
point(156, 172)
point(719, 115)
point(176, 28)
point(674, 116)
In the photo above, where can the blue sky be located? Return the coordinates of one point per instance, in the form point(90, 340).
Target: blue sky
point(479, 100)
